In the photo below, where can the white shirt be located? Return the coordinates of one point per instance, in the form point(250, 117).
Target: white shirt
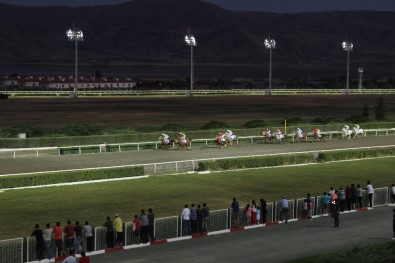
point(70, 259)
point(370, 189)
point(186, 213)
point(393, 190)
point(88, 230)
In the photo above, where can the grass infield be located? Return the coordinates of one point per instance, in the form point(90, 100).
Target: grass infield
point(21, 209)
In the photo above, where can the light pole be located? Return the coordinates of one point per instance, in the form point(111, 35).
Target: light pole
point(360, 71)
point(270, 44)
point(191, 41)
point(76, 35)
point(348, 46)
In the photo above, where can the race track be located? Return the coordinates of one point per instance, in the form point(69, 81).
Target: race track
point(55, 163)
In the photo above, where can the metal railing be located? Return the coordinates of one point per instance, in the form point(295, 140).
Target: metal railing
point(23, 249)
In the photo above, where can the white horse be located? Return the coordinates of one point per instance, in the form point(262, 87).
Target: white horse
point(279, 135)
point(230, 137)
point(357, 130)
point(346, 132)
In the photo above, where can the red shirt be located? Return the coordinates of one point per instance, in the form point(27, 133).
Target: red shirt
point(137, 223)
point(58, 232)
point(69, 230)
point(84, 260)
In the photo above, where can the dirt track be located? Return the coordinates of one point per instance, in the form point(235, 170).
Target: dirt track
point(53, 163)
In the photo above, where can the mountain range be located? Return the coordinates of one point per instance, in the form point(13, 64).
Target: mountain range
point(151, 33)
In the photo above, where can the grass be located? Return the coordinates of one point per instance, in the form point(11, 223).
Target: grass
point(21, 209)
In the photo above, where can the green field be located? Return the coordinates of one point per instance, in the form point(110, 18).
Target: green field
point(21, 209)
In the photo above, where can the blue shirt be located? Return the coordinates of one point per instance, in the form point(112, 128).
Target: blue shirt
point(284, 203)
point(235, 207)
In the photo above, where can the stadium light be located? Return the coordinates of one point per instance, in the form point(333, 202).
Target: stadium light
point(348, 46)
point(75, 35)
point(270, 44)
point(191, 41)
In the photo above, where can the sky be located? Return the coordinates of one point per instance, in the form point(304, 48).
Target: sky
point(278, 6)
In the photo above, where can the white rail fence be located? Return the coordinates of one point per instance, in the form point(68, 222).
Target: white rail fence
point(201, 92)
point(120, 147)
point(21, 250)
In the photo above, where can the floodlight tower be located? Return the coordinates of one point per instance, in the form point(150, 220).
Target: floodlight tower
point(76, 35)
point(191, 41)
point(270, 44)
point(348, 47)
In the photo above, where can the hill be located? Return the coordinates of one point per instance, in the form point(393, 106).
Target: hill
point(150, 32)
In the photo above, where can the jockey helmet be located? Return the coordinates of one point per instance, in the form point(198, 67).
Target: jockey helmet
point(228, 131)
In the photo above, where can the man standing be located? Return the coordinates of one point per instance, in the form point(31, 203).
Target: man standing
point(78, 237)
point(58, 239)
point(370, 193)
point(118, 230)
point(393, 193)
point(263, 210)
point(69, 232)
point(151, 222)
point(206, 215)
point(393, 222)
point(109, 232)
point(235, 213)
point(48, 240)
point(194, 221)
point(284, 209)
point(336, 213)
point(186, 223)
point(144, 226)
point(38, 234)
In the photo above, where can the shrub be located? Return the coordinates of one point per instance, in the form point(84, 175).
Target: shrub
point(215, 125)
point(12, 132)
point(75, 130)
point(325, 120)
point(355, 154)
point(357, 119)
point(255, 124)
point(295, 120)
point(65, 177)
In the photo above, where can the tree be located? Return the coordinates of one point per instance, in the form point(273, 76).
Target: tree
point(365, 111)
point(380, 109)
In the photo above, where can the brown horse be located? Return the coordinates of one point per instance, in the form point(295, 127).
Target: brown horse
point(183, 144)
point(165, 144)
point(219, 140)
point(267, 136)
point(318, 135)
point(297, 138)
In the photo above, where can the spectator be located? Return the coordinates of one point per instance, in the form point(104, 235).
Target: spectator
point(78, 237)
point(109, 232)
point(248, 214)
point(58, 231)
point(325, 202)
point(151, 222)
point(47, 235)
point(331, 192)
point(370, 190)
point(118, 228)
point(84, 258)
point(336, 213)
point(354, 193)
point(393, 193)
point(88, 237)
point(342, 199)
point(258, 215)
point(38, 234)
point(263, 210)
point(194, 226)
point(284, 209)
point(309, 207)
point(69, 232)
point(305, 208)
point(186, 224)
point(348, 197)
point(393, 222)
point(70, 258)
point(206, 216)
point(144, 226)
point(253, 212)
point(235, 213)
point(360, 195)
point(199, 218)
point(136, 229)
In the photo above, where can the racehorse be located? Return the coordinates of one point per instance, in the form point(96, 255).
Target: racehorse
point(183, 143)
point(279, 135)
point(358, 130)
point(221, 140)
point(318, 135)
point(299, 135)
point(346, 132)
point(165, 143)
point(230, 137)
point(267, 136)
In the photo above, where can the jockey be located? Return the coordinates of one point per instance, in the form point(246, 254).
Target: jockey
point(229, 133)
point(165, 138)
point(317, 132)
point(346, 127)
point(183, 137)
point(357, 126)
point(268, 133)
point(278, 132)
point(300, 132)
